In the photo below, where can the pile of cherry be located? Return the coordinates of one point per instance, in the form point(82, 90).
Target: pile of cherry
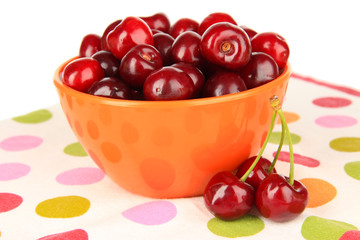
point(280, 198)
point(147, 58)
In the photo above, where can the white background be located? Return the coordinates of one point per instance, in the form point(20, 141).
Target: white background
point(37, 36)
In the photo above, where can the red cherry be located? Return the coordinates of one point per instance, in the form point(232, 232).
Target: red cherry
point(186, 48)
point(129, 33)
point(138, 63)
point(108, 29)
point(227, 45)
point(279, 201)
point(258, 174)
point(112, 88)
point(108, 62)
point(90, 44)
point(222, 83)
point(214, 18)
point(168, 83)
point(227, 197)
point(183, 25)
point(163, 43)
point(158, 21)
point(80, 74)
point(272, 44)
point(195, 74)
point(250, 32)
point(259, 70)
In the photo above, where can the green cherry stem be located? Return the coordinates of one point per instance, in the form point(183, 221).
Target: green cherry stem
point(291, 151)
point(271, 168)
point(247, 173)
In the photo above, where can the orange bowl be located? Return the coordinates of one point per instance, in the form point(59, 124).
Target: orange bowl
point(169, 149)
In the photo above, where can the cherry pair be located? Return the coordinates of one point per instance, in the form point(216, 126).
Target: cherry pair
point(277, 197)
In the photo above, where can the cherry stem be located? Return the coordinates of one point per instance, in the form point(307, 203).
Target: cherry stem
point(271, 168)
point(247, 173)
point(291, 151)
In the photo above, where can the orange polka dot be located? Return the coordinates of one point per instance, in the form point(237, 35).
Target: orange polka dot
point(157, 173)
point(93, 130)
point(320, 191)
point(78, 128)
point(289, 117)
point(129, 133)
point(111, 152)
point(69, 101)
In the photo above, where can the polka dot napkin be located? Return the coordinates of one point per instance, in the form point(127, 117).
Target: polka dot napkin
point(50, 188)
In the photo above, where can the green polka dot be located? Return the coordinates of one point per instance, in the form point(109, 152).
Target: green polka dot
point(276, 136)
point(245, 226)
point(353, 169)
point(346, 144)
point(38, 116)
point(75, 149)
point(315, 228)
point(63, 207)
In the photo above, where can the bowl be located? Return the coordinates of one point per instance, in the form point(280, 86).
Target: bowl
point(170, 149)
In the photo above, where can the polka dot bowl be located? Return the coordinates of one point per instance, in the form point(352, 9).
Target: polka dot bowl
point(170, 149)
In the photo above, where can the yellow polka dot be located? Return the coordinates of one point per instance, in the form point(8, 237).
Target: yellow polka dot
point(63, 207)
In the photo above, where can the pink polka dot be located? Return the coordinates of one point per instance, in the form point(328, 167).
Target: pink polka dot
point(151, 213)
point(80, 176)
point(332, 102)
point(335, 121)
point(10, 171)
point(9, 201)
point(298, 159)
point(351, 235)
point(77, 234)
point(20, 143)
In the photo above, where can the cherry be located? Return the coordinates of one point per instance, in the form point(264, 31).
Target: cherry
point(163, 43)
point(108, 62)
point(186, 48)
point(108, 29)
point(259, 70)
point(196, 75)
point(250, 32)
point(129, 33)
point(272, 44)
point(80, 74)
point(158, 21)
point(138, 63)
point(222, 83)
point(227, 45)
point(90, 44)
point(155, 31)
point(228, 198)
point(111, 87)
point(258, 174)
point(214, 18)
point(183, 25)
point(279, 200)
point(168, 83)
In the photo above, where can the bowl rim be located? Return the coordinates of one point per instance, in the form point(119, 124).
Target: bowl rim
point(168, 103)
